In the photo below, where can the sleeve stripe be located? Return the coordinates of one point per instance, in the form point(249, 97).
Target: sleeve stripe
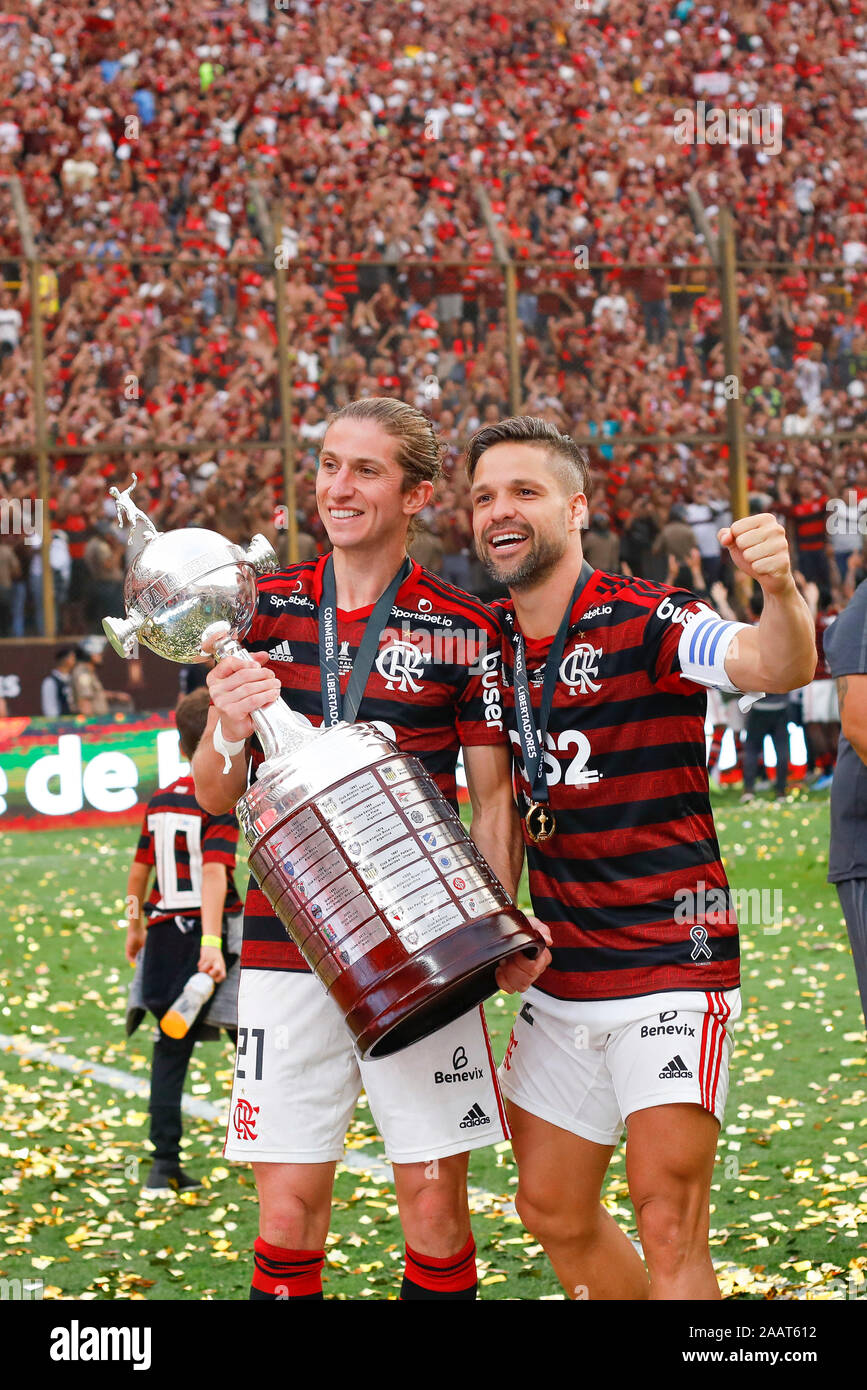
point(706, 637)
point(703, 648)
point(709, 632)
point(723, 627)
point(698, 630)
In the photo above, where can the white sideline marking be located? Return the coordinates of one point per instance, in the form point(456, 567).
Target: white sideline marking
point(108, 1076)
point(202, 1109)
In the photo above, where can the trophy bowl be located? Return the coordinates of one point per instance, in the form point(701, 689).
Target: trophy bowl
point(375, 879)
point(182, 584)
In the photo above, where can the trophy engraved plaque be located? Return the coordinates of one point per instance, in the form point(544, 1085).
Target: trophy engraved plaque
point(358, 852)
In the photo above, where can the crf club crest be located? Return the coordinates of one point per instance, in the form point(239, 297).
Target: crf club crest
point(244, 1119)
point(578, 668)
point(401, 664)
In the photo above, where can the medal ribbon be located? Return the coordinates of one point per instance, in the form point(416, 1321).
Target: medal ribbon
point(337, 707)
point(533, 747)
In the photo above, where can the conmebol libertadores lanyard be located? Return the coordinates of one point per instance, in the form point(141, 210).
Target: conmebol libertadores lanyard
point(335, 705)
point(539, 819)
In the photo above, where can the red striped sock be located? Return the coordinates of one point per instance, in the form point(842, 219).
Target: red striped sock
point(280, 1274)
point(426, 1276)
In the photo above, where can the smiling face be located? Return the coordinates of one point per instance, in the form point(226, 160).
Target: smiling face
point(360, 487)
point(525, 516)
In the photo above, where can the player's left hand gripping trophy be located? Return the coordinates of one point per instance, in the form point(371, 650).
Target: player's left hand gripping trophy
point(361, 857)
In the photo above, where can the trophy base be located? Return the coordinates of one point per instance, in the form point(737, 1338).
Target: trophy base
point(434, 988)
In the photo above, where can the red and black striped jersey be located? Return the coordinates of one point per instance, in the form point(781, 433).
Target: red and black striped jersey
point(434, 686)
point(810, 520)
point(344, 275)
point(177, 838)
point(631, 883)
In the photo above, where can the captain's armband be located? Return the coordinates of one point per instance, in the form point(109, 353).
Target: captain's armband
point(702, 650)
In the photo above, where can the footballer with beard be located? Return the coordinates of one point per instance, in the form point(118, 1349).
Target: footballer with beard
point(630, 1027)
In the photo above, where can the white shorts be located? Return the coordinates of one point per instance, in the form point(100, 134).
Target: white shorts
point(586, 1066)
point(298, 1078)
point(820, 703)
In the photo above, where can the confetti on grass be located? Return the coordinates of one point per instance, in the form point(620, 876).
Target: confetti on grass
point(789, 1199)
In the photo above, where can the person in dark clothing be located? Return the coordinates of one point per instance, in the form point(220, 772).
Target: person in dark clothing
point(56, 694)
point(636, 546)
point(768, 716)
point(845, 646)
point(193, 917)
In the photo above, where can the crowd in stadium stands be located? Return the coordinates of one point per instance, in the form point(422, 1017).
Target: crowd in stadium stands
point(172, 129)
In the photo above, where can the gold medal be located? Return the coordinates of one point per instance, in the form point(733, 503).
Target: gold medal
point(540, 822)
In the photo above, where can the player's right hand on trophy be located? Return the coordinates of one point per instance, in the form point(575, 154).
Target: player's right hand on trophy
point(237, 688)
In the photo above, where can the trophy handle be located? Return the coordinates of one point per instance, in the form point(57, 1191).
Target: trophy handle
point(260, 554)
point(127, 511)
point(280, 731)
point(122, 632)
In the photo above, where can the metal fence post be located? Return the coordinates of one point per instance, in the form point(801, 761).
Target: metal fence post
point(287, 432)
point(28, 244)
point(732, 359)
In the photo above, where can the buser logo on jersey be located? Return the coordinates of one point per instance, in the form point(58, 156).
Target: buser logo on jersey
point(677, 614)
point(491, 692)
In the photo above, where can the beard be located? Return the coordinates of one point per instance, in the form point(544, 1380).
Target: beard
point(544, 555)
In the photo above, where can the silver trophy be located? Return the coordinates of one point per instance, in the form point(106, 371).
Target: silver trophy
point(363, 860)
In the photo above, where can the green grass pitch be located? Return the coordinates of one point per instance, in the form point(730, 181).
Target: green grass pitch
point(789, 1216)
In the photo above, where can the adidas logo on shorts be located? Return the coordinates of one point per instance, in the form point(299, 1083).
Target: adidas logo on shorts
point(474, 1117)
point(282, 652)
point(675, 1070)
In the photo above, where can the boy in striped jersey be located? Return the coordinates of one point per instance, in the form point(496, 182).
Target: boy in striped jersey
point(192, 913)
point(630, 1025)
point(297, 1077)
